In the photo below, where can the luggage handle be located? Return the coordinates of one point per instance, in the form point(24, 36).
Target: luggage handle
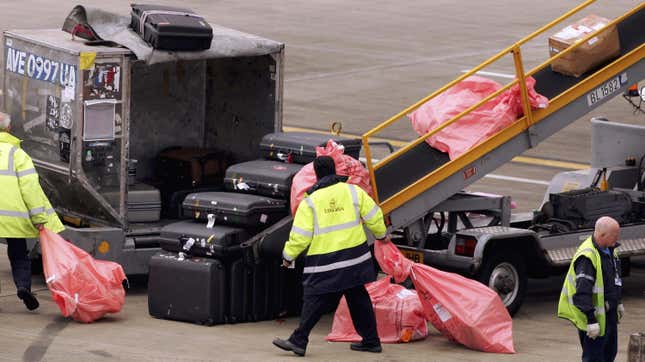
point(184, 240)
point(146, 13)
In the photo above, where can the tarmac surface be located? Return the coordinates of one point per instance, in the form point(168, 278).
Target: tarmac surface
point(357, 62)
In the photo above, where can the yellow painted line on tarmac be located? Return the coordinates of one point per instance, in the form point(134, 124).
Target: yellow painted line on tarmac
point(550, 163)
point(567, 165)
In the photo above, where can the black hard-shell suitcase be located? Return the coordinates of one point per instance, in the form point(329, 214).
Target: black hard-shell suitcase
point(195, 238)
point(170, 28)
point(240, 291)
point(585, 206)
point(192, 289)
point(300, 147)
point(143, 201)
point(235, 208)
point(259, 309)
point(262, 177)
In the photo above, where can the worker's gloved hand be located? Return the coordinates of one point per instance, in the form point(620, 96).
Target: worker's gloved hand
point(621, 311)
point(593, 330)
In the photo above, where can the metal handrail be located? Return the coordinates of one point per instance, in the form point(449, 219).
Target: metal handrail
point(521, 75)
point(478, 68)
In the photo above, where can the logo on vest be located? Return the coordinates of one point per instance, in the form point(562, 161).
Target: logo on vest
point(332, 208)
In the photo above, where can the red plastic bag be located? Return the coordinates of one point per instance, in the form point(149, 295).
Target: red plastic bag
point(391, 260)
point(84, 288)
point(399, 315)
point(480, 124)
point(462, 309)
point(345, 166)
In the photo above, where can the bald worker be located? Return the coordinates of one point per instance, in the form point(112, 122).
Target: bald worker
point(591, 295)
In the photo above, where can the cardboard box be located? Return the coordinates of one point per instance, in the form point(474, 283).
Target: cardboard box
point(596, 51)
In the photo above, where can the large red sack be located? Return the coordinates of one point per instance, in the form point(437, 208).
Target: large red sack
point(83, 288)
point(480, 124)
point(399, 315)
point(462, 309)
point(345, 166)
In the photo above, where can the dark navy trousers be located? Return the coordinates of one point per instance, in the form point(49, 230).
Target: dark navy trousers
point(601, 349)
point(20, 262)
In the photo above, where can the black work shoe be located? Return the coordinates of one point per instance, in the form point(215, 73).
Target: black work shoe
point(364, 348)
point(288, 346)
point(28, 298)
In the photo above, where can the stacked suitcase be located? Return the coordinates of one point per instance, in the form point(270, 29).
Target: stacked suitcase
point(209, 245)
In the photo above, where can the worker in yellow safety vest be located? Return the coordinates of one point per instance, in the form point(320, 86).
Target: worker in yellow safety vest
point(591, 295)
point(24, 209)
point(329, 225)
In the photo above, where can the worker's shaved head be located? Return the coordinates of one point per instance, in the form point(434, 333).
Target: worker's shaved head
point(606, 232)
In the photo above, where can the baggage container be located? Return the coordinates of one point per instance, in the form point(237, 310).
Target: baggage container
point(197, 239)
point(170, 28)
point(235, 209)
point(300, 147)
point(262, 177)
point(102, 107)
point(191, 290)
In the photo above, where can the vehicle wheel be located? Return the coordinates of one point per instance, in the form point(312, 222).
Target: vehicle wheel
point(505, 273)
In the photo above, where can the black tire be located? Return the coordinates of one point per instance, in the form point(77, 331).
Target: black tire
point(505, 273)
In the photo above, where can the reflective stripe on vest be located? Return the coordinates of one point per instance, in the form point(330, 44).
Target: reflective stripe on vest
point(337, 265)
point(10, 171)
point(303, 232)
point(26, 215)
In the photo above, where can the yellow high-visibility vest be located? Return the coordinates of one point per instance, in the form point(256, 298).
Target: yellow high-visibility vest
point(566, 308)
point(23, 203)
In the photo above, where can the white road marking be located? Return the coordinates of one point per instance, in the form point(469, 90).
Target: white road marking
point(492, 74)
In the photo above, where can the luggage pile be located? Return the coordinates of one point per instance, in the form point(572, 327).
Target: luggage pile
point(208, 272)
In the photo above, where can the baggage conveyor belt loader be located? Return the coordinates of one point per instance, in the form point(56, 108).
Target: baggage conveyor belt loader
point(96, 118)
point(418, 184)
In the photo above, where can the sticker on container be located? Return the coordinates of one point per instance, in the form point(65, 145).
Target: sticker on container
point(443, 314)
point(87, 60)
point(263, 218)
point(53, 113)
point(40, 68)
point(68, 94)
point(593, 40)
point(599, 26)
point(66, 121)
